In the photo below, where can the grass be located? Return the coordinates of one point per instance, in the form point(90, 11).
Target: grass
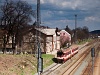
point(47, 60)
point(18, 61)
point(84, 41)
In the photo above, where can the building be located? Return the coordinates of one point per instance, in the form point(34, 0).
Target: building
point(52, 40)
point(47, 38)
point(27, 40)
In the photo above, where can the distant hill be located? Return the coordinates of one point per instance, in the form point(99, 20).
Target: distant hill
point(95, 32)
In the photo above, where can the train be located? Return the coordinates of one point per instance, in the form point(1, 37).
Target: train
point(65, 54)
point(69, 51)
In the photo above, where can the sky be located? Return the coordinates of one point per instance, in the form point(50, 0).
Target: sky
point(60, 13)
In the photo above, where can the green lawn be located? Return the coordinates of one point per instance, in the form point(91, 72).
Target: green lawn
point(47, 60)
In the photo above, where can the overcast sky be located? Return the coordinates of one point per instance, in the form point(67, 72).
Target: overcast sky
point(60, 13)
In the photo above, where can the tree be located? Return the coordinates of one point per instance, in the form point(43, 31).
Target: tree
point(86, 31)
point(80, 33)
point(68, 30)
point(16, 15)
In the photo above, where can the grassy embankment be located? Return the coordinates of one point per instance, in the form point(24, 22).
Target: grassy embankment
point(22, 64)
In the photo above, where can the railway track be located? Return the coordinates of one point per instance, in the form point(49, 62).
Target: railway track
point(76, 68)
point(69, 67)
point(88, 70)
point(60, 70)
point(51, 69)
point(72, 65)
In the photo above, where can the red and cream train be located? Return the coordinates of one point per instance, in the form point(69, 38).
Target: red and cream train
point(65, 54)
point(65, 40)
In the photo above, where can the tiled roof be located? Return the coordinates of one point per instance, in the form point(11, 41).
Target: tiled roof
point(47, 31)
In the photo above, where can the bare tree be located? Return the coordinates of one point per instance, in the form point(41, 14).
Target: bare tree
point(82, 33)
point(86, 31)
point(16, 15)
point(68, 30)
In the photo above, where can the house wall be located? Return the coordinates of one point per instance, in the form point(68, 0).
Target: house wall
point(52, 43)
point(56, 42)
point(48, 43)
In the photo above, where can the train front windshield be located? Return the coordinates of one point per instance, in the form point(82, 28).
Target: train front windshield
point(59, 53)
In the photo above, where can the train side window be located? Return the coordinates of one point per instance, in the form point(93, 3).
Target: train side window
point(66, 53)
point(69, 52)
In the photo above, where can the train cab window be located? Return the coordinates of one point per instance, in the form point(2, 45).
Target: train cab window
point(59, 53)
point(63, 33)
point(60, 33)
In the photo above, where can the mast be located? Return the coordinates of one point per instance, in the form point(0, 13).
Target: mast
point(75, 28)
point(39, 58)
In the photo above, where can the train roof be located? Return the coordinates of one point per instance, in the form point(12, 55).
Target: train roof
point(71, 47)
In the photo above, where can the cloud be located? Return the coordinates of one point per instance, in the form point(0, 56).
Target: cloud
point(31, 1)
point(88, 12)
point(46, 15)
point(59, 13)
point(69, 4)
point(92, 18)
point(72, 4)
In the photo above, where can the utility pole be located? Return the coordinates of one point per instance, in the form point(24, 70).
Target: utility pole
point(39, 58)
point(38, 12)
point(75, 28)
